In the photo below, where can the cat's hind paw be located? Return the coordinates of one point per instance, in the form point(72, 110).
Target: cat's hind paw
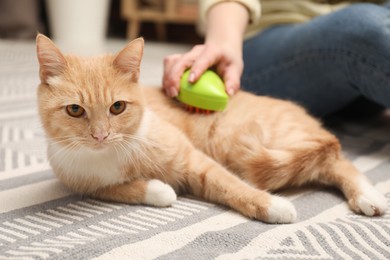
point(281, 211)
point(159, 194)
point(372, 203)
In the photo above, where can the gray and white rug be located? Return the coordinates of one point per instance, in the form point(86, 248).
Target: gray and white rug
point(41, 219)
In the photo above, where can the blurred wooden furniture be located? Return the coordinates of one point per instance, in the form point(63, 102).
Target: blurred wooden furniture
point(159, 12)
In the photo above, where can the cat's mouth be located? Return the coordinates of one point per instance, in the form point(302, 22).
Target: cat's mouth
point(99, 145)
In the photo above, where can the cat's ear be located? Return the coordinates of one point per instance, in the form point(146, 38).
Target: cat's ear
point(129, 59)
point(51, 61)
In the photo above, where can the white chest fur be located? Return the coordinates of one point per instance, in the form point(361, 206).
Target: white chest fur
point(84, 165)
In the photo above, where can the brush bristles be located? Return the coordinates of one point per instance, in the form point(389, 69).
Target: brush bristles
point(198, 110)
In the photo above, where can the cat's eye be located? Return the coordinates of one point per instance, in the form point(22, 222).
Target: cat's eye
point(118, 107)
point(75, 110)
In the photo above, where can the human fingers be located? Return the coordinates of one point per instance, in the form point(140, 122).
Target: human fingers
point(231, 75)
point(176, 68)
point(169, 62)
point(208, 57)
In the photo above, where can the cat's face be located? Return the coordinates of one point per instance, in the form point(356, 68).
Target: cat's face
point(89, 102)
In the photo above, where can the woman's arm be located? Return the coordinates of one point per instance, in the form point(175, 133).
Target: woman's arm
point(226, 23)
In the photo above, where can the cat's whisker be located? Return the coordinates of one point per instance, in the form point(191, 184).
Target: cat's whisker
point(50, 157)
point(142, 139)
point(62, 137)
point(144, 155)
point(75, 139)
point(129, 158)
point(67, 154)
point(65, 137)
point(71, 139)
point(64, 151)
point(116, 151)
point(74, 156)
point(131, 151)
point(68, 151)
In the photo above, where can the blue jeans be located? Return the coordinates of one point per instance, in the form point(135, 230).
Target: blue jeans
point(326, 63)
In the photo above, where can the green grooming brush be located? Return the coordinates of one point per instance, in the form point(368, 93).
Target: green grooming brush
point(207, 93)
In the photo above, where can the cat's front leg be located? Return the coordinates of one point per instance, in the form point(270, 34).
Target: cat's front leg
point(150, 192)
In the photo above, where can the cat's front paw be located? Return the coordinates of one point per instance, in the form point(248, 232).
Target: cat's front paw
point(159, 194)
point(281, 211)
point(371, 203)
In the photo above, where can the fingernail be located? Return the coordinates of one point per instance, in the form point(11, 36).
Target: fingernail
point(173, 92)
point(169, 91)
point(230, 91)
point(191, 78)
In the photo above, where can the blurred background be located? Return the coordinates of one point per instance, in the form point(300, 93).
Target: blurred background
point(76, 21)
point(90, 27)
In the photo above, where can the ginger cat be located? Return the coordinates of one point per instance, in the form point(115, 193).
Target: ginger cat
point(112, 139)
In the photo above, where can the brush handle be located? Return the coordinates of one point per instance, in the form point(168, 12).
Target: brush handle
point(208, 92)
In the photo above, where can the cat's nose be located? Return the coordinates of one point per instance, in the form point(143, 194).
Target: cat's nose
point(100, 136)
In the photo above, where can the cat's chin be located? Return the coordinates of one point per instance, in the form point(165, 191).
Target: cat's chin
point(98, 147)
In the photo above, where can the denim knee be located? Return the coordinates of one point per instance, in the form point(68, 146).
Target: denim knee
point(364, 25)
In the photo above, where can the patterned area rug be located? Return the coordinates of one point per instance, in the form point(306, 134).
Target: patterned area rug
point(41, 219)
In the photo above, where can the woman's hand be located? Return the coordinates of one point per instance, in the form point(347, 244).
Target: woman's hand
point(227, 61)
point(222, 50)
